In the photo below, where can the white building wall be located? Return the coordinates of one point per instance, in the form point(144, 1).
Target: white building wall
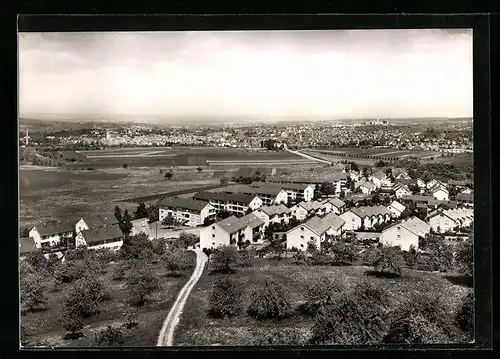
point(282, 197)
point(441, 223)
point(256, 203)
point(299, 212)
point(352, 221)
point(299, 238)
point(399, 236)
point(213, 236)
point(440, 195)
point(308, 193)
point(81, 226)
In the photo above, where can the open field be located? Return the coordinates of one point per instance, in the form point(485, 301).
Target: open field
point(182, 156)
point(61, 194)
point(45, 325)
point(361, 155)
point(196, 328)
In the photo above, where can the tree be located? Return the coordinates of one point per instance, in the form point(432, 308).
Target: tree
point(464, 257)
point(71, 322)
point(169, 175)
point(225, 257)
point(187, 240)
point(126, 223)
point(136, 247)
point(110, 337)
point(153, 213)
point(311, 247)
point(388, 261)
point(175, 261)
point(343, 253)
point(199, 169)
point(37, 261)
point(25, 232)
point(322, 291)
point(226, 298)
point(118, 214)
point(380, 163)
point(277, 247)
point(464, 316)
point(31, 290)
point(125, 165)
point(83, 296)
point(411, 256)
point(270, 300)
point(354, 166)
point(131, 317)
point(141, 211)
point(140, 283)
point(355, 318)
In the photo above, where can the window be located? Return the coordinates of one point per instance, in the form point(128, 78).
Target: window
point(213, 227)
point(301, 228)
point(301, 246)
point(301, 237)
point(398, 228)
point(398, 236)
point(312, 238)
point(213, 235)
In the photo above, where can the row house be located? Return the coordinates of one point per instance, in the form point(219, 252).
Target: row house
point(295, 191)
point(267, 193)
point(316, 230)
point(335, 205)
point(234, 203)
point(400, 174)
point(450, 220)
point(98, 221)
point(365, 216)
point(50, 233)
point(396, 208)
point(304, 210)
point(465, 198)
point(110, 237)
point(233, 231)
point(339, 182)
point(405, 234)
point(190, 212)
point(401, 190)
point(439, 192)
point(365, 186)
point(274, 214)
point(379, 179)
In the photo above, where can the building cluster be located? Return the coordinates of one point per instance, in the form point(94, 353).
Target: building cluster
point(248, 210)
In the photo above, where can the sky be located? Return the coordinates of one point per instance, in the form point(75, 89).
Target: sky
point(280, 74)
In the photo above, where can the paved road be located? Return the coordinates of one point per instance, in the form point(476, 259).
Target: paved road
point(157, 230)
point(166, 336)
point(298, 153)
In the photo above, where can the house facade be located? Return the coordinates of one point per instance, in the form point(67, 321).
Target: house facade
point(50, 233)
point(234, 203)
point(110, 237)
point(316, 230)
point(274, 214)
point(401, 190)
point(441, 194)
point(405, 234)
point(102, 220)
point(396, 208)
point(188, 211)
point(269, 194)
point(233, 231)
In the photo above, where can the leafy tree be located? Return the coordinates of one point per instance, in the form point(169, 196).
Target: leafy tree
point(38, 262)
point(126, 223)
point(464, 257)
point(159, 246)
point(355, 318)
point(119, 270)
point(277, 247)
point(226, 298)
point(421, 319)
point(110, 337)
point(52, 262)
point(187, 239)
point(246, 257)
point(354, 166)
point(175, 261)
point(169, 175)
point(118, 214)
point(464, 316)
point(71, 322)
point(311, 247)
point(125, 165)
point(300, 257)
point(83, 296)
point(71, 270)
point(136, 247)
point(141, 211)
point(380, 163)
point(131, 317)
point(31, 290)
point(411, 256)
point(388, 261)
point(225, 257)
point(270, 300)
point(322, 291)
point(343, 253)
point(224, 214)
point(199, 169)
point(25, 232)
point(141, 282)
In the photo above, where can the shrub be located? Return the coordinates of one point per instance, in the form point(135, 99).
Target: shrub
point(421, 319)
point(245, 257)
point(312, 248)
point(300, 257)
point(119, 271)
point(411, 256)
point(464, 258)
point(82, 298)
point(388, 261)
point(343, 253)
point(225, 257)
point(321, 292)
point(71, 322)
point(465, 314)
point(320, 259)
point(356, 318)
point(110, 337)
point(226, 299)
point(270, 301)
point(131, 317)
point(31, 291)
point(281, 336)
point(141, 282)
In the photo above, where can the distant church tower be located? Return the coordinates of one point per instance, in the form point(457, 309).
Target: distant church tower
point(26, 136)
point(108, 135)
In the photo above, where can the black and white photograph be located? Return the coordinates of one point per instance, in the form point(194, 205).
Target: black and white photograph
point(246, 188)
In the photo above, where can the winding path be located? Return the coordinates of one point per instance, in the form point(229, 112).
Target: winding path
point(166, 336)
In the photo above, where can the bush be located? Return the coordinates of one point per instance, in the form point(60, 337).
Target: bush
point(320, 259)
point(225, 257)
point(110, 337)
point(421, 319)
point(226, 299)
point(388, 261)
point(119, 271)
point(464, 258)
point(245, 258)
point(411, 256)
point(465, 314)
point(141, 282)
point(299, 257)
point(71, 322)
point(270, 301)
point(320, 292)
point(31, 291)
point(281, 336)
point(343, 253)
point(83, 297)
point(131, 317)
point(356, 318)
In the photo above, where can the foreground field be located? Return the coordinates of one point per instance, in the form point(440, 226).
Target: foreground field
point(45, 326)
point(196, 328)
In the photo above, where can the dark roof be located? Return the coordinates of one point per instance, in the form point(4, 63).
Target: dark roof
point(53, 227)
point(183, 203)
point(466, 197)
point(93, 235)
point(224, 196)
point(101, 220)
point(234, 224)
point(368, 211)
point(27, 245)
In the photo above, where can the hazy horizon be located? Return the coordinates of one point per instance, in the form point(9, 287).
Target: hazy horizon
point(336, 74)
